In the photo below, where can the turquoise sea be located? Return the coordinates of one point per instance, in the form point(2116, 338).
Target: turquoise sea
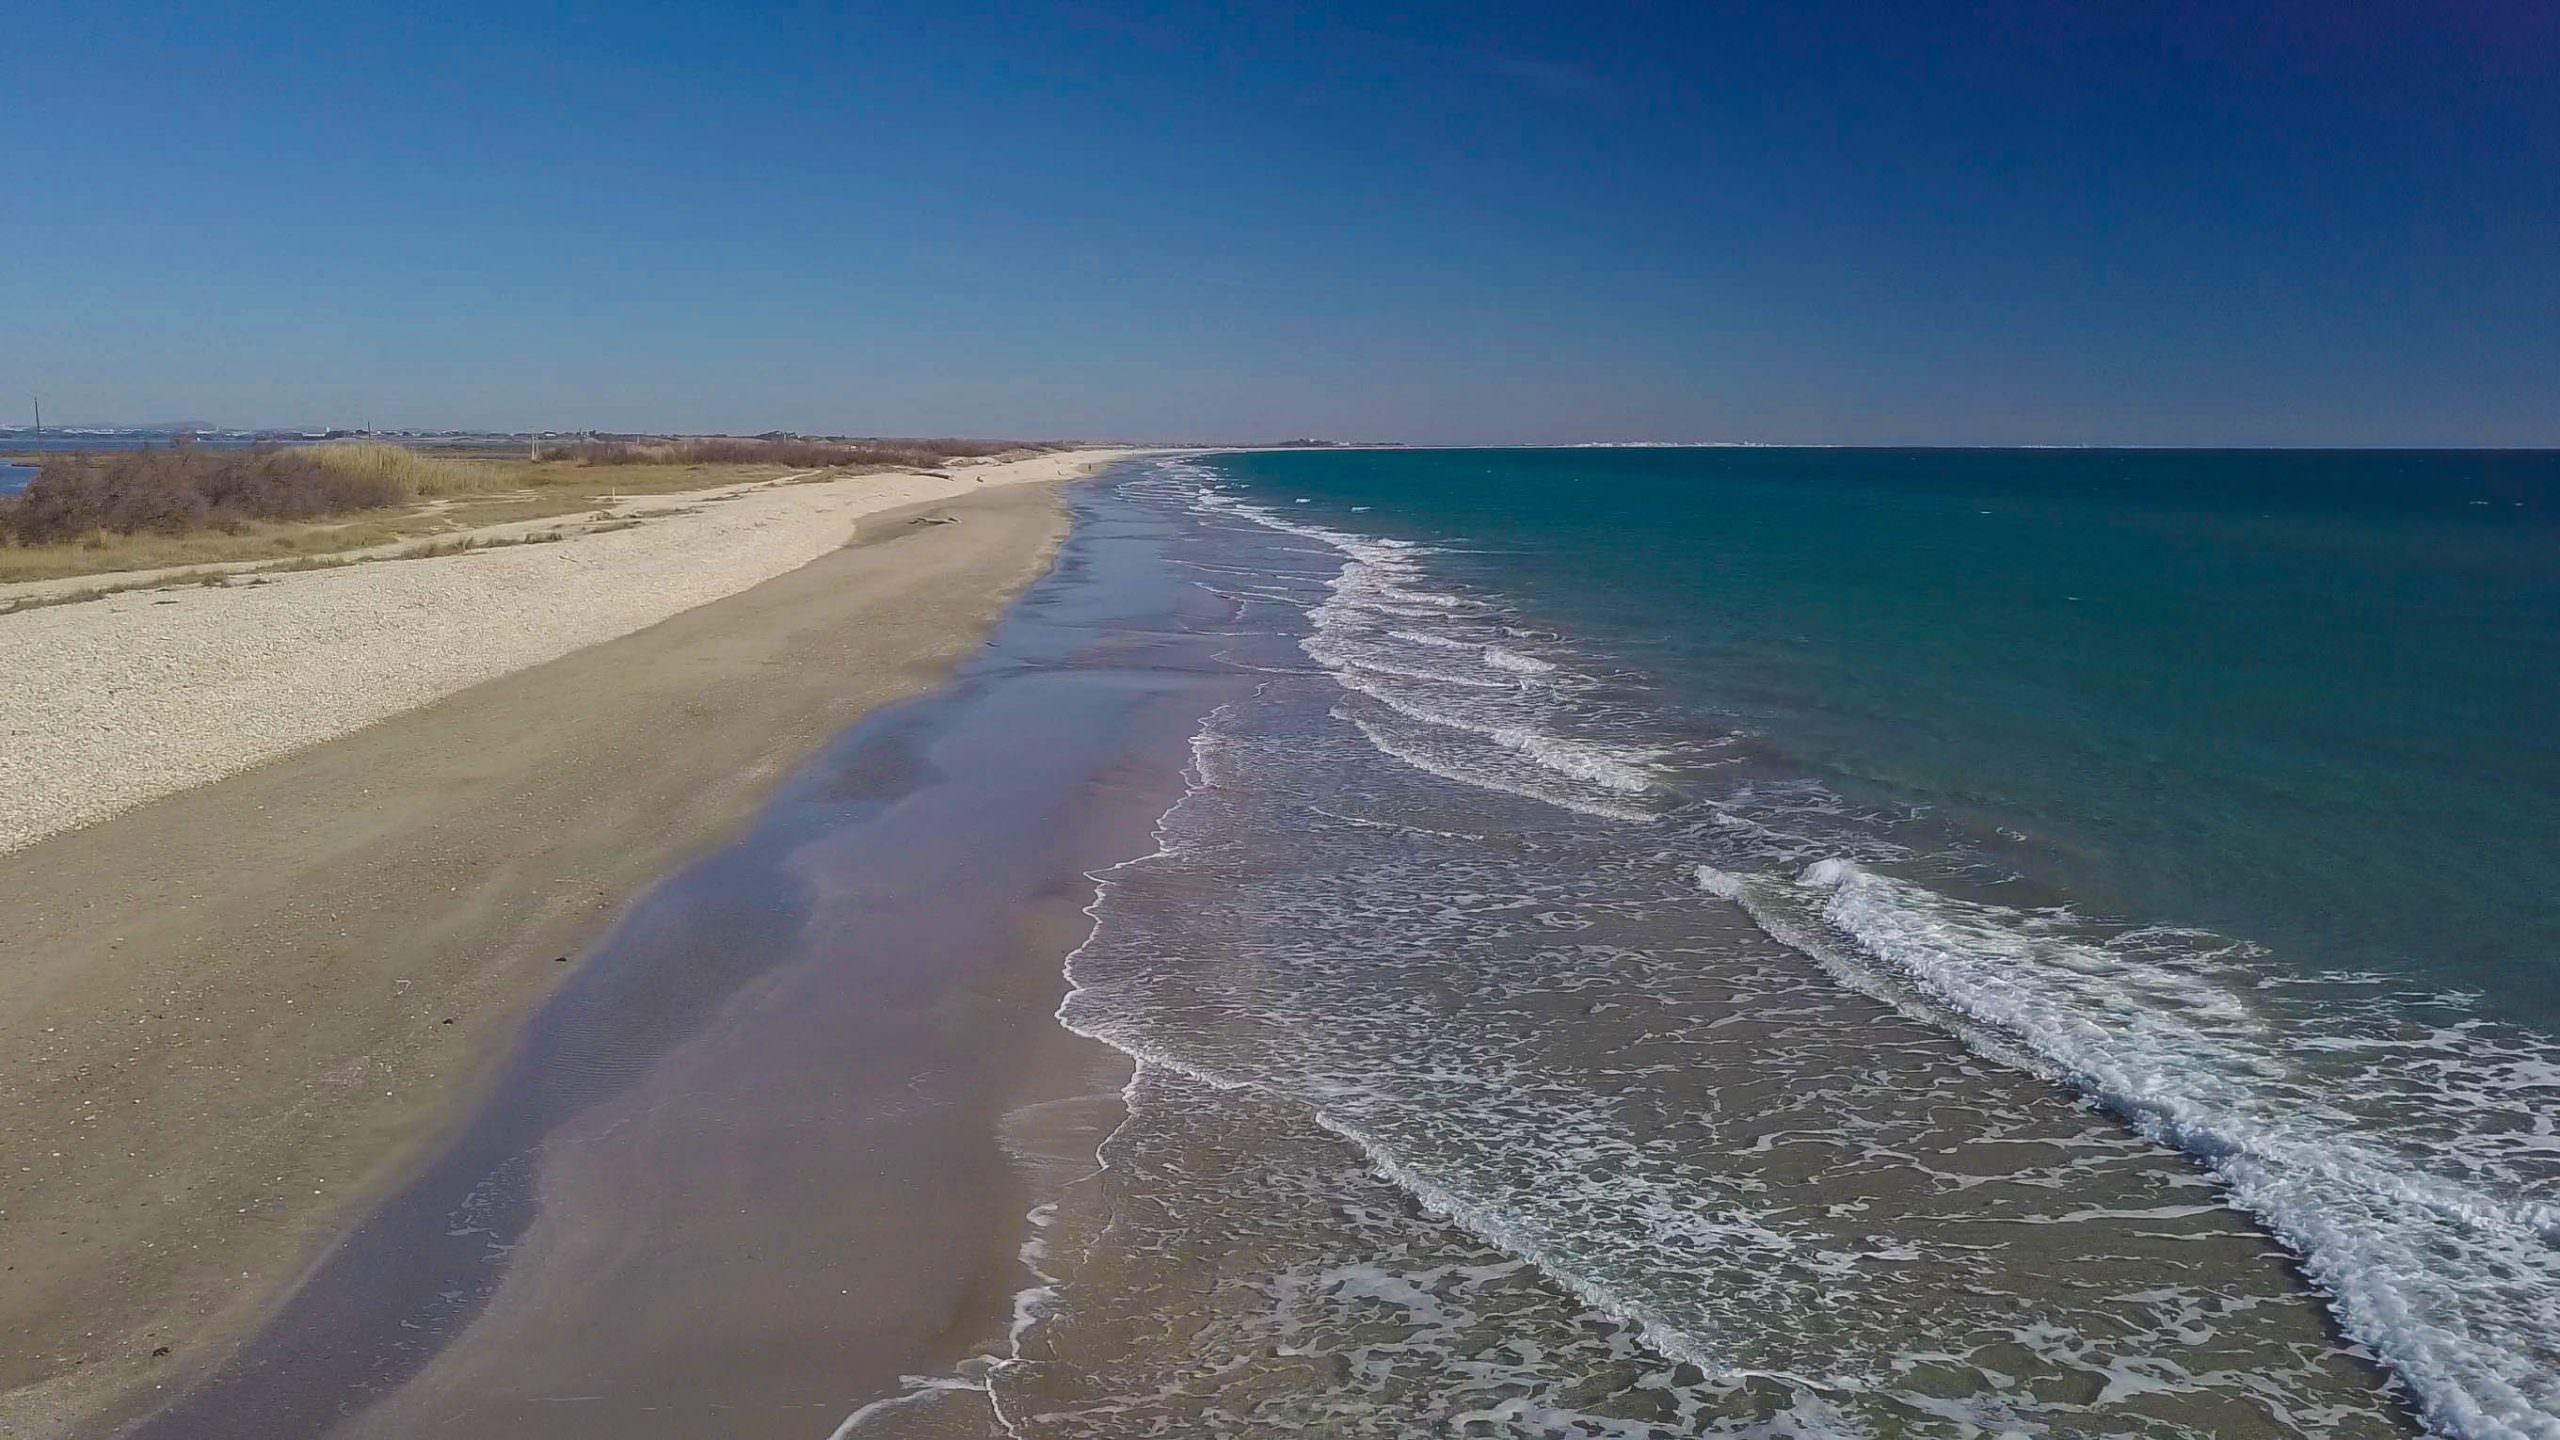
point(1664, 942)
point(2305, 699)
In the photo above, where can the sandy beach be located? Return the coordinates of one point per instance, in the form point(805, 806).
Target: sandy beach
point(270, 924)
point(118, 701)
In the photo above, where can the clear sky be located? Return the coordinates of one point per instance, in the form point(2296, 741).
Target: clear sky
point(2045, 222)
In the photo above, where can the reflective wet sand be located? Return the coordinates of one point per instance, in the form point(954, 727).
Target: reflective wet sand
point(767, 1151)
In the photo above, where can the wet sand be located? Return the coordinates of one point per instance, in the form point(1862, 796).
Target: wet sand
point(235, 1014)
point(771, 1147)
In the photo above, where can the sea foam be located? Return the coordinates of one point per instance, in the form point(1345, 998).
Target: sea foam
point(1364, 631)
point(1417, 989)
point(2410, 1161)
point(2423, 1211)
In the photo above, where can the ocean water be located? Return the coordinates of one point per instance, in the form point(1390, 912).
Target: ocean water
point(1830, 943)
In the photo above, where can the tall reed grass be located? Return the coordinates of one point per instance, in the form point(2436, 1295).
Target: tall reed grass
point(414, 473)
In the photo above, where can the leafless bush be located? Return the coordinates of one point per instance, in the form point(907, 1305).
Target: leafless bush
point(184, 488)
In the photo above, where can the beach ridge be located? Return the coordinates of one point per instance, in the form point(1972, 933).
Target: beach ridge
point(117, 702)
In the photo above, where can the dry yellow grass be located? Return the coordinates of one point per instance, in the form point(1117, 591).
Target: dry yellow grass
point(416, 472)
point(104, 553)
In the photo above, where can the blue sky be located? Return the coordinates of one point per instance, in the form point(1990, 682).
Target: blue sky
point(2029, 223)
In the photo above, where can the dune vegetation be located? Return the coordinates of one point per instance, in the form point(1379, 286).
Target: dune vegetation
point(185, 488)
point(179, 506)
point(416, 473)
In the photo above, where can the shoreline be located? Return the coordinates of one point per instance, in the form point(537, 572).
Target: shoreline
point(347, 938)
point(1381, 944)
point(771, 1150)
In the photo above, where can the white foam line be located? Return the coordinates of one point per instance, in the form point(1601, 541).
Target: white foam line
point(1481, 781)
point(1028, 1300)
point(919, 1387)
point(2187, 1065)
point(1436, 642)
point(1370, 562)
point(1484, 1222)
point(1488, 1224)
point(1335, 654)
point(1608, 766)
point(1478, 1220)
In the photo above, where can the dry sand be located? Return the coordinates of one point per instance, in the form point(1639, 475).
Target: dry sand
point(230, 1013)
point(114, 702)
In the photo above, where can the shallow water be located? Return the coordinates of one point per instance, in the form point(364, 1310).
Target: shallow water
point(1532, 1046)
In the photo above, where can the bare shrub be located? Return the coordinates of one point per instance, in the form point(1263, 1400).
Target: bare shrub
point(130, 492)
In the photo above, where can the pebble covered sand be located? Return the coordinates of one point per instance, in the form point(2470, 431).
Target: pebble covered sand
point(114, 702)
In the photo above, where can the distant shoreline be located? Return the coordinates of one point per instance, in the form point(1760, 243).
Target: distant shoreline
point(141, 696)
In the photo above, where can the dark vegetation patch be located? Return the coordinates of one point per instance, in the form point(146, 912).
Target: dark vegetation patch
point(87, 498)
point(132, 492)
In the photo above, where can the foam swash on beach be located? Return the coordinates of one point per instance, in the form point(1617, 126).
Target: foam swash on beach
point(2403, 1144)
point(1584, 1003)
